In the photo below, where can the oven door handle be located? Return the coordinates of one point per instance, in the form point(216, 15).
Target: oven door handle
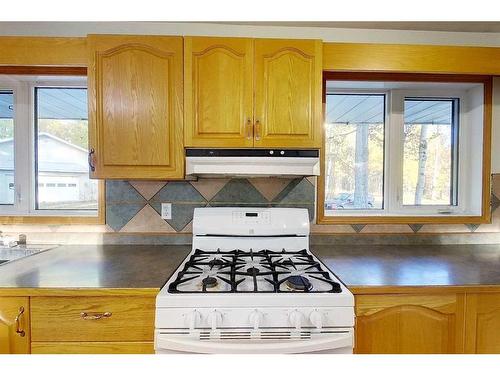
point(190, 345)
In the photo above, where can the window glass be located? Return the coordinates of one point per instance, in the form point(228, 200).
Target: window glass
point(354, 152)
point(61, 150)
point(429, 160)
point(6, 147)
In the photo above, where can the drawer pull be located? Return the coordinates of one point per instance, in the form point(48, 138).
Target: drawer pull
point(19, 331)
point(95, 316)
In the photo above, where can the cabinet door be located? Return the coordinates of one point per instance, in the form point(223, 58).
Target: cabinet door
point(92, 347)
point(404, 324)
point(288, 93)
point(482, 325)
point(218, 92)
point(135, 106)
point(14, 336)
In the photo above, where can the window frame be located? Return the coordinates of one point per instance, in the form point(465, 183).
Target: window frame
point(24, 208)
point(414, 214)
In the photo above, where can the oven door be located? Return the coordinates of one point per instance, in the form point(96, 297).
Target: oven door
point(264, 341)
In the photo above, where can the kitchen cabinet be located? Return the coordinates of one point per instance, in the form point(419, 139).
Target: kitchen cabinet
point(410, 324)
point(482, 323)
point(92, 319)
point(218, 92)
point(92, 348)
point(287, 93)
point(14, 325)
point(252, 92)
point(135, 106)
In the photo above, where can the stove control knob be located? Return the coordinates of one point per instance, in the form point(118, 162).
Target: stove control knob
point(316, 319)
point(192, 318)
point(256, 319)
point(296, 319)
point(214, 319)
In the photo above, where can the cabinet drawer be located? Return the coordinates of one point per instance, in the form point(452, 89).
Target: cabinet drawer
point(92, 348)
point(92, 318)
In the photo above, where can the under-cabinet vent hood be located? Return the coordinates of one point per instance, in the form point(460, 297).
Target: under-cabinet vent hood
point(251, 162)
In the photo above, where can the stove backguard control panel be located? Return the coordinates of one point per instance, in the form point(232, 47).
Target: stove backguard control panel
point(252, 217)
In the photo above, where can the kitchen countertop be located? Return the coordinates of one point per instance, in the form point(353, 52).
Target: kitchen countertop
point(400, 268)
point(143, 269)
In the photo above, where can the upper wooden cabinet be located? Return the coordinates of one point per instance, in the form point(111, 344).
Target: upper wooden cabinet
point(14, 325)
point(410, 324)
point(287, 93)
point(482, 323)
point(218, 92)
point(252, 92)
point(135, 106)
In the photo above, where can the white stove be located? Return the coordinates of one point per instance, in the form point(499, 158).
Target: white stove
point(251, 285)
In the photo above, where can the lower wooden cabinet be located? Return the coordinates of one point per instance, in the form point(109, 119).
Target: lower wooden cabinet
point(92, 319)
point(92, 348)
point(14, 325)
point(483, 323)
point(394, 324)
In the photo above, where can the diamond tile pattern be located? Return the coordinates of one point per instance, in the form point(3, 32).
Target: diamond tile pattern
point(123, 202)
point(127, 204)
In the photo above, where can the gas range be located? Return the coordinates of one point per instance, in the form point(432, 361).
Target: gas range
point(251, 279)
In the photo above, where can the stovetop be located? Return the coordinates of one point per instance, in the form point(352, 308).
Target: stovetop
point(251, 271)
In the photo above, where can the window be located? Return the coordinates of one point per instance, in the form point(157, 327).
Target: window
point(402, 149)
point(6, 147)
point(44, 134)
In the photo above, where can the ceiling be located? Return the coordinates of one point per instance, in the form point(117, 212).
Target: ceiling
point(469, 26)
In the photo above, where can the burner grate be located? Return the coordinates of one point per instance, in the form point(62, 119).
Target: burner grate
point(264, 271)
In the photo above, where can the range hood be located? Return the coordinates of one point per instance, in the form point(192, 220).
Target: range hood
point(251, 162)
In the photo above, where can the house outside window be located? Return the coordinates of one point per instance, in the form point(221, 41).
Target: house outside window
point(44, 147)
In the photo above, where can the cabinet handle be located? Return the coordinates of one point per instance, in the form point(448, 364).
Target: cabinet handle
point(257, 130)
point(19, 331)
point(95, 316)
point(91, 159)
point(249, 129)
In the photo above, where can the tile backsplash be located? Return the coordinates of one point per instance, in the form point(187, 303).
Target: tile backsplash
point(133, 214)
point(135, 206)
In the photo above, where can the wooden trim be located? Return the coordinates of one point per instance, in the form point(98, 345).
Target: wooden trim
point(43, 51)
point(425, 289)
point(485, 216)
point(44, 70)
point(410, 58)
point(77, 292)
point(99, 219)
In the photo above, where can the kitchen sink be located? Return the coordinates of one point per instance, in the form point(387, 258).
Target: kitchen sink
point(8, 253)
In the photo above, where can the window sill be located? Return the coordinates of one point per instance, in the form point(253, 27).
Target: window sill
point(52, 219)
point(382, 219)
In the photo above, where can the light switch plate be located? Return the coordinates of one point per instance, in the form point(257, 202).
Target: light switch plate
point(166, 211)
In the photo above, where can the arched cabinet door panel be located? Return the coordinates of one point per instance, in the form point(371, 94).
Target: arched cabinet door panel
point(14, 325)
point(483, 323)
point(287, 93)
point(218, 92)
point(409, 324)
point(136, 106)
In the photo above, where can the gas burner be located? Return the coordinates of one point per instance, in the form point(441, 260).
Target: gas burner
point(216, 262)
point(263, 271)
point(298, 283)
point(209, 282)
point(253, 271)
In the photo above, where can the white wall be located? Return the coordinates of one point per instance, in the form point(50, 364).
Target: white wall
point(214, 29)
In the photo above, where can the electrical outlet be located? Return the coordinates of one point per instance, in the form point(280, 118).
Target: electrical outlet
point(166, 211)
